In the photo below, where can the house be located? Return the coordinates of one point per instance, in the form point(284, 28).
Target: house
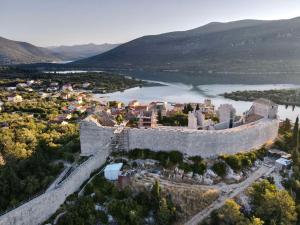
point(79, 99)
point(86, 85)
point(30, 82)
point(67, 87)
point(78, 108)
point(63, 117)
point(115, 104)
point(11, 88)
point(64, 123)
point(15, 98)
point(54, 84)
point(159, 107)
point(51, 89)
point(43, 94)
point(22, 85)
point(1, 103)
point(134, 103)
point(65, 95)
point(112, 171)
point(178, 107)
point(147, 119)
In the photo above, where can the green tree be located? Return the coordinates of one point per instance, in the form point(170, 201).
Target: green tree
point(220, 168)
point(271, 205)
point(229, 214)
point(295, 139)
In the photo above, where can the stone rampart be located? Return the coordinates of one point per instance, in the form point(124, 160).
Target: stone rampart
point(206, 143)
point(42, 207)
point(93, 136)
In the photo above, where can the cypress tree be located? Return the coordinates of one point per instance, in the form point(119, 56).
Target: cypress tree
point(295, 133)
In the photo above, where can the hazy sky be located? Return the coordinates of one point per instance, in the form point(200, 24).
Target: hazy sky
point(56, 22)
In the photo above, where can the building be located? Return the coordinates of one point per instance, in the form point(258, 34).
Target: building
point(159, 107)
point(226, 114)
point(242, 137)
point(283, 164)
point(54, 84)
point(86, 84)
point(22, 85)
point(15, 98)
point(147, 119)
point(112, 171)
point(265, 108)
point(65, 95)
point(67, 87)
point(192, 121)
point(178, 107)
point(30, 82)
point(134, 103)
point(1, 104)
point(196, 119)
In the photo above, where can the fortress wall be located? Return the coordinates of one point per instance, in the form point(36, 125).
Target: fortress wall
point(205, 143)
point(93, 136)
point(42, 207)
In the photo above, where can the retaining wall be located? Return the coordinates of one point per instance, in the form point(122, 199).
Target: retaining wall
point(42, 207)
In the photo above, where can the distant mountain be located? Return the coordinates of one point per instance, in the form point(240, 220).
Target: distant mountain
point(247, 46)
point(15, 52)
point(75, 52)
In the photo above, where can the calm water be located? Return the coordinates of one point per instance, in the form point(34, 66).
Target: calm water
point(184, 88)
point(182, 93)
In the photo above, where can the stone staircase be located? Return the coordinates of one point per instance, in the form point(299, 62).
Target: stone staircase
point(120, 141)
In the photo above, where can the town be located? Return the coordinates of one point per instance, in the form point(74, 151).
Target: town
point(198, 155)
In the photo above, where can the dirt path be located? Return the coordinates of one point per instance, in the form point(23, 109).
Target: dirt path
point(230, 191)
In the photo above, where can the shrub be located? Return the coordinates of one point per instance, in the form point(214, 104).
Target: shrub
point(220, 168)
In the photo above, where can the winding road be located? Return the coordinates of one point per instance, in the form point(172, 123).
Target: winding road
point(230, 191)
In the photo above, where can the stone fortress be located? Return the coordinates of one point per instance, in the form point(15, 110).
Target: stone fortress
point(232, 134)
point(202, 137)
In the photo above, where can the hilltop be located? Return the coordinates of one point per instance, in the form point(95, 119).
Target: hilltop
point(248, 46)
point(16, 52)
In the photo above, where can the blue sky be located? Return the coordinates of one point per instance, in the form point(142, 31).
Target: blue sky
point(57, 22)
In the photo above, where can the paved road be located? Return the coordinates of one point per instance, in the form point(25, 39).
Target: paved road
point(230, 192)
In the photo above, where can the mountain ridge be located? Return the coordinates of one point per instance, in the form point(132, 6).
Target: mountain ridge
point(248, 45)
point(20, 52)
point(16, 52)
point(80, 51)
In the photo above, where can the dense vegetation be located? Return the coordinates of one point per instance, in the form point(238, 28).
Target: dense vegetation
point(29, 146)
point(98, 81)
point(243, 160)
point(126, 207)
point(268, 205)
point(283, 97)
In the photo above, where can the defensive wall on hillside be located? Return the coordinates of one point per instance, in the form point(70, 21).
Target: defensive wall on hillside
point(39, 209)
point(206, 143)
